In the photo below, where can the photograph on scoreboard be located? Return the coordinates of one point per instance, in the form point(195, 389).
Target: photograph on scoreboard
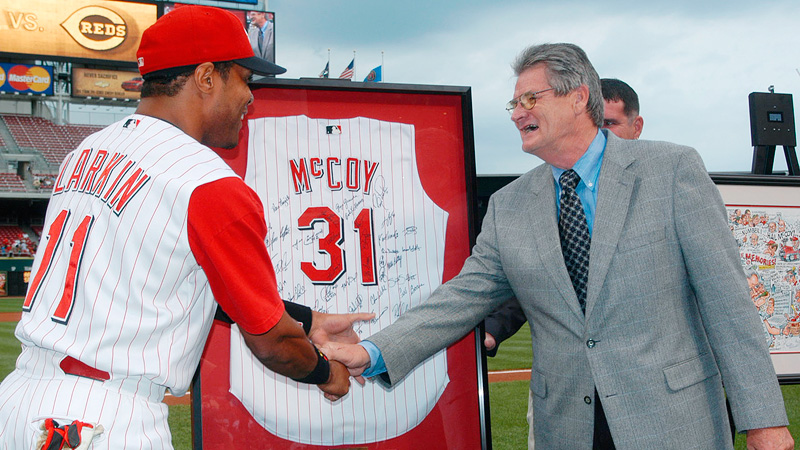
point(261, 31)
point(97, 83)
point(26, 79)
point(76, 30)
point(390, 170)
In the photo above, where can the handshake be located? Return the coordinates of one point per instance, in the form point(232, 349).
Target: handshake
point(335, 337)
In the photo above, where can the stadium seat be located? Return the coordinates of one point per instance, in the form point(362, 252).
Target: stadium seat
point(41, 135)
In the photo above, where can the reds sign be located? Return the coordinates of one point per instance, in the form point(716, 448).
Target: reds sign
point(96, 28)
point(77, 29)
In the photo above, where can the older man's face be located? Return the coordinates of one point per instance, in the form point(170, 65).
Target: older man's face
point(615, 120)
point(550, 123)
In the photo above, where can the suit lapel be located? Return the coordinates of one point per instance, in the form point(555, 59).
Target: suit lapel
point(544, 232)
point(615, 186)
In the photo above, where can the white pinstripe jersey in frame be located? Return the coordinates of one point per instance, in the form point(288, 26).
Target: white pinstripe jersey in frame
point(351, 230)
point(141, 305)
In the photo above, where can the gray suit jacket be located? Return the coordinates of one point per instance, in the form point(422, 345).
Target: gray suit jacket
point(268, 50)
point(668, 314)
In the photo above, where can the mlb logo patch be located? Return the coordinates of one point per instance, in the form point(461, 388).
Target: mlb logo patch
point(333, 129)
point(131, 124)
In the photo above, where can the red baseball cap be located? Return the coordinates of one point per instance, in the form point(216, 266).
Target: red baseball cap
point(191, 35)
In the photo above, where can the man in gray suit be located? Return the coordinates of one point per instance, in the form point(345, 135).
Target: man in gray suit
point(634, 355)
point(621, 117)
point(262, 35)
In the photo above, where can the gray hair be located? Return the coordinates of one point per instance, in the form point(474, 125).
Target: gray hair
point(568, 68)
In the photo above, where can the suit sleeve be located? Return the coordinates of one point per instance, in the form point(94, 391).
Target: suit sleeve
point(716, 276)
point(452, 310)
point(503, 322)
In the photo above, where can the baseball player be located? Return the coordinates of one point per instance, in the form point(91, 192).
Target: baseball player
point(146, 228)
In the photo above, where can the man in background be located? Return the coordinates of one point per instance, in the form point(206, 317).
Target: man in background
point(621, 115)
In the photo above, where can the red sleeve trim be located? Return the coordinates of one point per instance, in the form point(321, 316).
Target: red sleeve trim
point(226, 230)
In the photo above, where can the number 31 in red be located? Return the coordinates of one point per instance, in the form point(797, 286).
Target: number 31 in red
point(331, 244)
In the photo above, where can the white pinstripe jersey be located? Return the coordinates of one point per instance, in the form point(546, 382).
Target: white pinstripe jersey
point(351, 230)
point(114, 282)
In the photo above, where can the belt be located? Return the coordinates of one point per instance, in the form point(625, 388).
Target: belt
point(72, 366)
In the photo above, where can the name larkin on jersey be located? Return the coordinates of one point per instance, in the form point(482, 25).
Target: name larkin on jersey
point(336, 174)
point(93, 172)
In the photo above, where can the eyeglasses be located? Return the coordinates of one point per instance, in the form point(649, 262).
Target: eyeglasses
point(527, 100)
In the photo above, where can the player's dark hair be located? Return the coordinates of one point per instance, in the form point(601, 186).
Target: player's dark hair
point(615, 90)
point(171, 82)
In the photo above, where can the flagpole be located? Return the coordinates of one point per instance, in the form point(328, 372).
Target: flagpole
point(383, 68)
point(327, 70)
point(354, 66)
point(328, 65)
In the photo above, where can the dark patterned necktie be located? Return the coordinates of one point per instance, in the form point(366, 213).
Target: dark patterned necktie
point(574, 233)
point(260, 41)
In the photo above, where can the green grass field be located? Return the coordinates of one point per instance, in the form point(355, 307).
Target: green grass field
point(508, 400)
point(11, 304)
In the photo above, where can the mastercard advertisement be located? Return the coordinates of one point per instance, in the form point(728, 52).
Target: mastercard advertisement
point(75, 29)
point(25, 79)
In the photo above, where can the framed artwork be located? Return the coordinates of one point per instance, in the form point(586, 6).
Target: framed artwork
point(368, 191)
point(764, 217)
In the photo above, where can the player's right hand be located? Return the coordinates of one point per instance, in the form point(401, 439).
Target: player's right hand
point(354, 356)
point(338, 382)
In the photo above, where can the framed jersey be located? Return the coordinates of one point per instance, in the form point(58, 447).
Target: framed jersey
point(369, 195)
point(764, 217)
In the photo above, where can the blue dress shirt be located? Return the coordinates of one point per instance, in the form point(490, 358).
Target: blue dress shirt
point(588, 168)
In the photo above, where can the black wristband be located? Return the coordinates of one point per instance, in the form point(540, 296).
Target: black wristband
point(321, 372)
point(299, 313)
point(222, 316)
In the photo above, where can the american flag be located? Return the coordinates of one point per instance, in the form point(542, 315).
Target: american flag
point(349, 71)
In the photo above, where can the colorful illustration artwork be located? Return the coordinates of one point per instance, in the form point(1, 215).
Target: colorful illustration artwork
point(769, 245)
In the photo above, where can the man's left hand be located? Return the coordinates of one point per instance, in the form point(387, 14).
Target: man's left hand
point(337, 328)
point(774, 438)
